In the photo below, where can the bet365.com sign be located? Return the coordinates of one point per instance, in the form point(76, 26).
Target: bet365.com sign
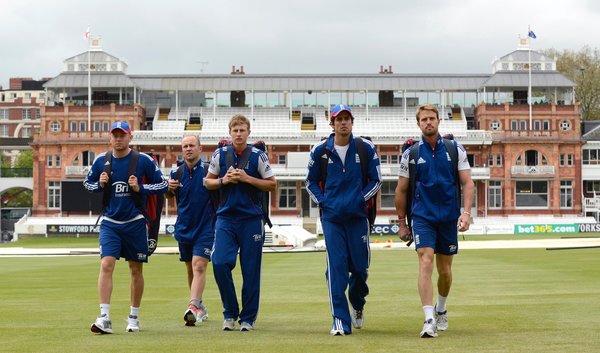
point(546, 228)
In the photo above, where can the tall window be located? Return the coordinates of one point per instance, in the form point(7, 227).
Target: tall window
point(97, 125)
point(495, 194)
point(26, 132)
point(566, 194)
point(105, 125)
point(57, 161)
point(82, 126)
point(498, 160)
point(387, 192)
point(73, 125)
point(26, 114)
point(3, 114)
point(286, 194)
point(49, 161)
point(3, 130)
point(54, 194)
point(531, 194)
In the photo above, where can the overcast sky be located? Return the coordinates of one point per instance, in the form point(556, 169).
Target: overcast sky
point(279, 36)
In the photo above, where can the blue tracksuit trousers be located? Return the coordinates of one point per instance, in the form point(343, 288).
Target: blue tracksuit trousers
point(348, 257)
point(248, 238)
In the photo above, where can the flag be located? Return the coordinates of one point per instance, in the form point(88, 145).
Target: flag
point(531, 34)
point(86, 34)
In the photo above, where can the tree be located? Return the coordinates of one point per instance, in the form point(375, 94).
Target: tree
point(583, 68)
point(24, 160)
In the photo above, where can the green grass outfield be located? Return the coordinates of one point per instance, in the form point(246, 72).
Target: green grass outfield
point(523, 300)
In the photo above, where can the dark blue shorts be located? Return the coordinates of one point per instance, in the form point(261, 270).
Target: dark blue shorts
point(442, 237)
point(202, 247)
point(129, 240)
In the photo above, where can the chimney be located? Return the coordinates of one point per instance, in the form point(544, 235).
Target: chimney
point(380, 69)
point(233, 69)
point(242, 70)
point(390, 69)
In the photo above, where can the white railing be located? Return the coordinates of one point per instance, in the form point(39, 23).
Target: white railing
point(532, 169)
point(75, 170)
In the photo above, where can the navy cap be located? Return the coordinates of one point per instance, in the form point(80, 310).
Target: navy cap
point(340, 108)
point(121, 125)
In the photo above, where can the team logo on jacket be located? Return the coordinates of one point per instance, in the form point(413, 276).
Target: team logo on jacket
point(207, 251)
point(141, 256)
point(452, 248)
point(357, 158)
point(365, 238)
point(257, 237)
point(121, 189)
point(421, 161)
point(417, 239)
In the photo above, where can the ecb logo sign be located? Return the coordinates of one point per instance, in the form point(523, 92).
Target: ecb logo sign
point(385, 229)
point(170, 229)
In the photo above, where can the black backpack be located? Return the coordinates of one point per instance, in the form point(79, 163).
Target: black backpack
point(215, 199)
point(452, 149)
point(361, 149)
point(251, 191)
point(151, 211)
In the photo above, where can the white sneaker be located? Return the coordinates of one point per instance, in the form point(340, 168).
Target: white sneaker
point(202, 313)
point(245, 326)
point(335, 332)
point(229, 325)
point(441, 320)
point(191, 315)
point(102, 325)
point(429, 329)
point(357, 317)
point(133, 324)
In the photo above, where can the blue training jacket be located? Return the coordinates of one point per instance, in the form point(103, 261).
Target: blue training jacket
point(121, 207)
point(435, 189)
point(236, 203)
point(344, 196)
point(194, 208)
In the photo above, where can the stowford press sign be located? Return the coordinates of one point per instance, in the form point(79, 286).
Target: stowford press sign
point(546, 228)
point(71, 229)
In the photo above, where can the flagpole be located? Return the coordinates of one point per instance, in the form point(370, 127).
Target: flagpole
point(529, 93)
point(89, 124)
point(530, 35)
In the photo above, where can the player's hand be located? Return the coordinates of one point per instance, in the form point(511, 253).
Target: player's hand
point(173, 185)
point(405, 233)
point(243, 176)
point(232, 176)
point(103, 179)
point(463, 223)
point(133, 183)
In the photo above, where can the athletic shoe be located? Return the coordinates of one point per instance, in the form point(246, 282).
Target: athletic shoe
point(335, 332)
point(357, 318)
point(245, 327)
point(202, 313)
point(429, 329)
point(191, 315)
point(229, 325)
point(441, 320)
point(102, 325)
point(133, 324)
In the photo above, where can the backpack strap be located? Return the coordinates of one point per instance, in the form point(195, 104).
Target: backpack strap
point(412, 179)
point(452, 149)
point(178, 174)
point(135, 196)
point(108, 186)
point(363, 155)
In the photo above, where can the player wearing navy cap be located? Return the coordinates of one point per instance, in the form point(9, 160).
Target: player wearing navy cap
point(240, 224)
point(343, 201)
point(123, 229)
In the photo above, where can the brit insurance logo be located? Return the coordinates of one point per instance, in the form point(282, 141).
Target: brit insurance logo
point(121, 189)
